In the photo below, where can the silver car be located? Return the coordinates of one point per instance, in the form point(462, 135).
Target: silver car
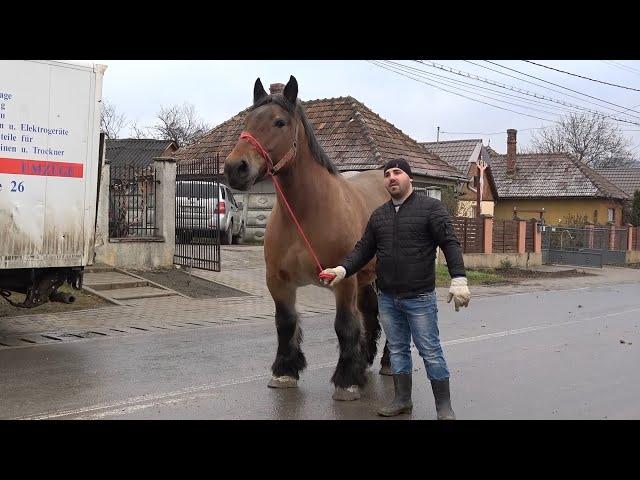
point(198, 207)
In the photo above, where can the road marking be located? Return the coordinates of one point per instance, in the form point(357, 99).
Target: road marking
point(142, 402)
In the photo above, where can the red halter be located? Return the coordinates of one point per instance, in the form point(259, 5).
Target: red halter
point(271, 172)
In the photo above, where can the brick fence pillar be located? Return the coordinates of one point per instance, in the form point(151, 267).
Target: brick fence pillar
point(487, 232)
point(522, 235)
point(537, 238)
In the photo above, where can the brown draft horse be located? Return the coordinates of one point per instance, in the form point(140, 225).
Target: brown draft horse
point(333, 213)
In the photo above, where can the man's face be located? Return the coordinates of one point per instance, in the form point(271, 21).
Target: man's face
point(397, 182)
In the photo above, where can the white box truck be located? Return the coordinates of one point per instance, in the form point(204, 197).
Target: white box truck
point(49, 162)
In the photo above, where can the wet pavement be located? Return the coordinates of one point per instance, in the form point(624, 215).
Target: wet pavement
point(567, 354)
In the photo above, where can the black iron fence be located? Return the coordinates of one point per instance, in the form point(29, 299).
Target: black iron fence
point(199, 208)
point(132, 201)
point(568, 238)
point(588, 246)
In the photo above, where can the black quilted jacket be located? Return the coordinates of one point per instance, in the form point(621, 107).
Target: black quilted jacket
point(405, 246)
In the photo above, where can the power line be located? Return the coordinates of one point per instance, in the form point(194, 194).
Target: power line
point(497, 92)
point(471, 133)
point(422, 73)
point(581, 76)
point(625, 109)
point(464, 96)
point(565, 88)
point(622, 66)
point(566, 107)
point(526, 92)
point(487, 134)
point(395, 68)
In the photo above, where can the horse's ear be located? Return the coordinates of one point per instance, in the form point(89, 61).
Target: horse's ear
point(291, 90)
point(258, 91)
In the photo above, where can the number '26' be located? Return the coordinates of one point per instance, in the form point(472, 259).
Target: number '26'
point(17, 186)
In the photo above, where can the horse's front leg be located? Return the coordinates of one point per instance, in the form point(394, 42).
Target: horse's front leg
point(349, 375)
point(289, 360)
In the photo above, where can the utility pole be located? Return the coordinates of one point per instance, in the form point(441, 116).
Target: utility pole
point(438, 135)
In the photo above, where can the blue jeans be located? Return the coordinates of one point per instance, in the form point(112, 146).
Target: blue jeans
point(417, 317)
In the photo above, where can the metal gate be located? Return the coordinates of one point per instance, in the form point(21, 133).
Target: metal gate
point(585, 247)
point(197, 214)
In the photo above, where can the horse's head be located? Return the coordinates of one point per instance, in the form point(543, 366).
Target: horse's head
point(270, 136)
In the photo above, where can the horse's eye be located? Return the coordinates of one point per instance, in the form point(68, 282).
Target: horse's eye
point(279, 123)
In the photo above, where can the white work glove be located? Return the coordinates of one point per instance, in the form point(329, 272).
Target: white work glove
point(339, 273)
point(459, 292)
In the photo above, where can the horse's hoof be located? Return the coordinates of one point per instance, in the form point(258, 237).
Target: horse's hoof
point(385, 370)
point(283, 382)
point(347, 394)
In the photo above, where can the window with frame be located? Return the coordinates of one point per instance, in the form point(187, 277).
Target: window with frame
point(611, 214)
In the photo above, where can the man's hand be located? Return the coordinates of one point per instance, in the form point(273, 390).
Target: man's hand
point(459, 292)
point(339, 273)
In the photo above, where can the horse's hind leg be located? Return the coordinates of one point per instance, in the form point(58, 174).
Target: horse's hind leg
point(368, 306)
point(290, 360)
point(349, 375)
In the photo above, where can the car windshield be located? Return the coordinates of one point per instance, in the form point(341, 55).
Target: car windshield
point(196, 189)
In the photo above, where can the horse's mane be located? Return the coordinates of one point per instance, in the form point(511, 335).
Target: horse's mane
point(317, 152)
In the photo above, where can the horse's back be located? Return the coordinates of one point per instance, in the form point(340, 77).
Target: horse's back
point(370, 184)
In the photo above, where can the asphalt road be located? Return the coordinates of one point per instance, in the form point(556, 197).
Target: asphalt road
point(539, 355)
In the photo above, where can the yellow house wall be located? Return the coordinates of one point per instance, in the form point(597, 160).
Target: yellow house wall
point(465, 208)
point(557, 211)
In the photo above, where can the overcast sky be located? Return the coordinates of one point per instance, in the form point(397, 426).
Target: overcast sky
point(220, 89)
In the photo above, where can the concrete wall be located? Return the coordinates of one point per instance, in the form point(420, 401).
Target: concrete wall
point(257, 205)
point(556, 210)
point(493, 260)
point(140, 253)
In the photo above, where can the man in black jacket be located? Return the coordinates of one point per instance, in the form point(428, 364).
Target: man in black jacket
point(403, 234)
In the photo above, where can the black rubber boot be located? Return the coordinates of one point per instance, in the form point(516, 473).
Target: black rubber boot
point(443, 399)
point(402, 400)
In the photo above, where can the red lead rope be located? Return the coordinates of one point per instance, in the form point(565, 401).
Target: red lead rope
point(256, 144)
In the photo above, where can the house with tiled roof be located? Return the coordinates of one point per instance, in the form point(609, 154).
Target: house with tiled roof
point(354, 137)
point(554, 186)
point(491, 151)
point(137, 152)
point(472, 159)
point(626, 178)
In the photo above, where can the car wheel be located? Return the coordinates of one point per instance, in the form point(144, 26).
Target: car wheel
point(238, 239)
point(227, 237)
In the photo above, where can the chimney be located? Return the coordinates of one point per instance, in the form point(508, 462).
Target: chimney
point(511, 151)
point(276, 88)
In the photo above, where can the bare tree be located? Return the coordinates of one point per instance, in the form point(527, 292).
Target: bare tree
point(180, 124)
point(111, 122)
point(140, 131)
point(592, 138)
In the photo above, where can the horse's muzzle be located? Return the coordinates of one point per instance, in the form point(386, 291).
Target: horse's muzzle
point(238, 174)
